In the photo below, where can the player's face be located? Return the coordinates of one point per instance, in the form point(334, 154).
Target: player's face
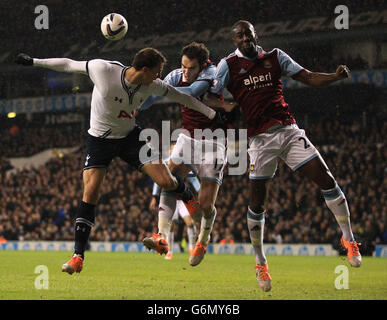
point(244, 38)
point(190, 68)
point(152, 74)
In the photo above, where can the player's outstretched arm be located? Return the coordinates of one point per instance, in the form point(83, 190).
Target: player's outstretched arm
point(56, 64)
point(149, 102)
point(213, 100)
point(190, 102)
point(318, 79)
point(196, 89)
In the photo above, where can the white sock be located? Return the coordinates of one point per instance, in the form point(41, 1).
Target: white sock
point(336, 202)
point(171, 238)
point(206, 226)
point(191, 232)
point(167, 208)
point(256, 224)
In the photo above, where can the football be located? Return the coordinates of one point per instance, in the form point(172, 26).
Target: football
point(114, 26)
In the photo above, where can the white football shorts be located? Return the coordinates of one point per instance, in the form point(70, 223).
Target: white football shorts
point(181, 210)
point(206, 158)
point(288, 143)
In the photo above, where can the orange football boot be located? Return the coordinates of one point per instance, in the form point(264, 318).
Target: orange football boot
point(156, 243)
point(263, 276)
point(353, 254)
point(197, 254)
point(74, 264)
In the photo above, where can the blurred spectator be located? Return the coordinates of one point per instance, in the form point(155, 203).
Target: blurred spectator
point(39, 203)
point(228, 238)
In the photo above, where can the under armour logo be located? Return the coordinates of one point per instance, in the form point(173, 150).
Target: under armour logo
point(116, 99)
point(79, 228)
point(255, 228)
point(87, 160)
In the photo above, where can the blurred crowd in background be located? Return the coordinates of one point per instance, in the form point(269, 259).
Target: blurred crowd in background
point(40, 203)
point(346, 123)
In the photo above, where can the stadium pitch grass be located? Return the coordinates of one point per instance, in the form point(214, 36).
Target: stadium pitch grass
point(148, 276)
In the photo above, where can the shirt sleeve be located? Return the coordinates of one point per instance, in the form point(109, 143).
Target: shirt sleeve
point(149, 102)
point(62, 65)
point(288, 66)
point(196, 89)
point(222, 76)
point(161, 88)
point(172, 78)
point(97, 69)
point(158, 88)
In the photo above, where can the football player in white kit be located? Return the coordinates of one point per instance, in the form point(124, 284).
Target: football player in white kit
point(118, 92)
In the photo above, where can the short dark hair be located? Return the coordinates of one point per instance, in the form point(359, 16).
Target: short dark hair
point(239, 22)
point(148, 57)
point(196, 50)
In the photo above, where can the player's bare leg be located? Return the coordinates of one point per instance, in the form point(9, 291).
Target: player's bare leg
point(161, 175)
point(92, 183)
point(207, 197)
point(256, 224)
point(318, 172)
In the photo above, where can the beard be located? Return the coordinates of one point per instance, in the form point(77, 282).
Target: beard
point(249, 50)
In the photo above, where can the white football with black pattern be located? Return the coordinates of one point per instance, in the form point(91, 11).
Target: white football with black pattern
point(114, 26)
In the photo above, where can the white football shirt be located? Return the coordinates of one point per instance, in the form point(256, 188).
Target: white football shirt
point(114, 99)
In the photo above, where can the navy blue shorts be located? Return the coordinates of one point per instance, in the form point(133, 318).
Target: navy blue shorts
point(101, 151)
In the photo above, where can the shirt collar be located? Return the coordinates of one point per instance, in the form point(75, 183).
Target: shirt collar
point(259, 54)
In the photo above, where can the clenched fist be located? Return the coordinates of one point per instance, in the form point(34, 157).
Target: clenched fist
point(342, 72)
point(24, 59)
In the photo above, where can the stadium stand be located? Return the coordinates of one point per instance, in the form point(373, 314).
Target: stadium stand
point(347, 123)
